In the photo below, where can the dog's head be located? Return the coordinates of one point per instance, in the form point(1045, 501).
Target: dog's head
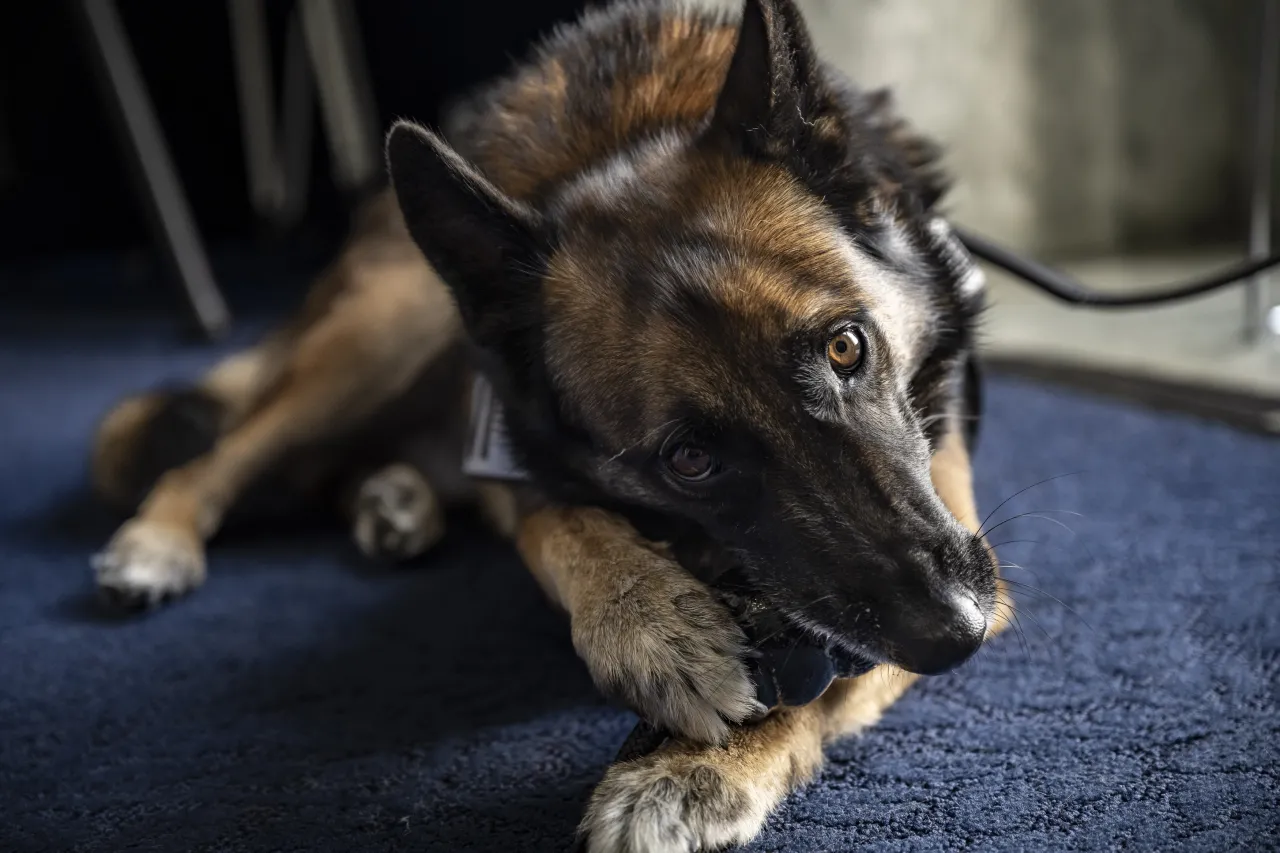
point(755, 328)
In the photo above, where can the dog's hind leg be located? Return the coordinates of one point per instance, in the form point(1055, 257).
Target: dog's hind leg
point(395, 513)
point(146, 434)
point(366, 350)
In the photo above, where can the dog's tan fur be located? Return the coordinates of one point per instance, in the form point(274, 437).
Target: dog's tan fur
point(691, 796)
point(368, 328)
point(379, 318)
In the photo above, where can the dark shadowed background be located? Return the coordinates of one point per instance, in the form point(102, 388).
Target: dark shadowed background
point(61, 181)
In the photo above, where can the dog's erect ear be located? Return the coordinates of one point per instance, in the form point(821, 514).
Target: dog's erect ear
point(768, 95)
point(483, 243)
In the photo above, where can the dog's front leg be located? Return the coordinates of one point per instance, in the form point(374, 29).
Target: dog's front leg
point(687, 797)
point(651, 634)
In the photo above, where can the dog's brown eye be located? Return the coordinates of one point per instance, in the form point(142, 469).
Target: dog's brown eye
point(691, 462)
point(844, 351)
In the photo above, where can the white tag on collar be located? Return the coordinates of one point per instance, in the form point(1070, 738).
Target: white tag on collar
point(488, 453)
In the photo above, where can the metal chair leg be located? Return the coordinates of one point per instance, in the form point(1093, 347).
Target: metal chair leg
point(158, 183)
point(1257, 295)
point(257, 113)
point(278, 165)
point(298, 104)
point(346, 100)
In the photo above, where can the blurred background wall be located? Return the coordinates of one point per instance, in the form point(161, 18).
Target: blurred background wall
point(1103, 132)
point(63, 186)
point(1113, 138)
point(1075, 128)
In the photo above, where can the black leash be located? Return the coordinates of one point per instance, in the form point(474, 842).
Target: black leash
point(1065, 288)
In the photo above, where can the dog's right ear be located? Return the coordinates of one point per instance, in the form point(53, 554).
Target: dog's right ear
point(768, 97)
point(483, 243)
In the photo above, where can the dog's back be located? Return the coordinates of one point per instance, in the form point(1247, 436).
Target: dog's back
point(587, 92)
point(592, 90)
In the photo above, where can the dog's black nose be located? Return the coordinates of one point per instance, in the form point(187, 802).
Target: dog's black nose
point(934, 637)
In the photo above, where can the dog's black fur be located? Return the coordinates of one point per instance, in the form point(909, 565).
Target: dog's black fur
point(848, 511)
point(711, 282)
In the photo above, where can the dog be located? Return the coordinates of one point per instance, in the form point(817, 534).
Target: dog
point(709, 282)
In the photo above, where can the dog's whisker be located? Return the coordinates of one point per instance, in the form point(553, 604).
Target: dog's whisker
point(1037, 590)
point(929, 420)
point(1038, 514)
point(1022, 634)
point(1033, 514)
point(1058, 545)
point(992, 547)
point(1016, 613)
point(982, 527)
point(1010, 618)
point(615, 457)
point(1038, 624)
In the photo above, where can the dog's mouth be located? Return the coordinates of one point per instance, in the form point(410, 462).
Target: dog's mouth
point(792, 663)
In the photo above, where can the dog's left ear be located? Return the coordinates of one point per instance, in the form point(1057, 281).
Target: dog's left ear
point(486, 245)
point(769, 97)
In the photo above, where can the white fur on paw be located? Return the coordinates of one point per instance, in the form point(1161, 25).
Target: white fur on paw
point(669, 650)
point(145, 564)
point(397, 516)
point(669, 803)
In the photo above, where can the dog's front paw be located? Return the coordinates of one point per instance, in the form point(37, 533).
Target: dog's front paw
point(146, 564)
point(675, 802)
point(661, 643)
point(397, 516)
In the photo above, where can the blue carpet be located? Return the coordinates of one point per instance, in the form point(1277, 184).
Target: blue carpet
point(302, 701)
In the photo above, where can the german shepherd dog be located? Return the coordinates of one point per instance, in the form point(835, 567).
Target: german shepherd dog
point(708, 280)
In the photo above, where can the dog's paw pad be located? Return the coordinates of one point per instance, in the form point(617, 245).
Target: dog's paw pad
point(397, 515)
point(145, 565)
point(671, 804)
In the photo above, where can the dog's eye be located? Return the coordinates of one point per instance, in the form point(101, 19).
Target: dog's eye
point(690, 462)
point(844, 351)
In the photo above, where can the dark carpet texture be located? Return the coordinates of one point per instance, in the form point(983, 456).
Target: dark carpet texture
point(305, 701)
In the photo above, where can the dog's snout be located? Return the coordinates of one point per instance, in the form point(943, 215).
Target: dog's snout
point(937, 635)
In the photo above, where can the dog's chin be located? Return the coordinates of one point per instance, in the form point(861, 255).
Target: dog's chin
point(849, 664)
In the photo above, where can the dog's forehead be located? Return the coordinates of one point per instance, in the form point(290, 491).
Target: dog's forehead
point(684, 287)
